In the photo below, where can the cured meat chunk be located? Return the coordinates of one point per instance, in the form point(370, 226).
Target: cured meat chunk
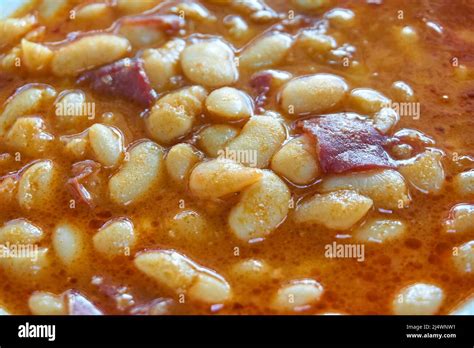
point(125, 78)
point(346, 143)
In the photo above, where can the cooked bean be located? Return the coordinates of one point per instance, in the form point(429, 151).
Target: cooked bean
point(380, 230)
point(173, 115)
point(265, 52)
point(36, 57)
point(193, 11)
point(463, 258)
point(311, 5)
point(12, 29)
point(313, 42)
point(253, 270)
point(28, 135)
point(261, 209)
point(36, 184)
point(180, 160)
point(402, 92)
point(339, 210)
point(229, 104)
point(258, 141)
point(162, 65)
point(296, 161)
point(209, 63)
point(107, 144)
point(340, 17)
point(312, 94)
point(425, 172)
point(68, 244)
point(210, 288)
point(367, 101)
point(70, 107)
point(461, 219)
point(29, 266)
point(386, 187)
point(219, 177)
point(212, 139)
point(236, 26)
point(45, 303)
point(26, 100)
point(385, 119)
point(115, 238)
point(188, 224)
point(465, 308)
point(131, 7)
point(418, 299)
point(464, 183)
point(94, 12)
point(181, 274)
point(138, 175)
point(87, 53)
point(298, 295)
point(20, 231)
point(167, 267)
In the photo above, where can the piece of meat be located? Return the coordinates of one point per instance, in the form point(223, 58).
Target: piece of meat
point(78, 304)
point(261, 83)
point(125, 78)
point(346, 143)
point(83, 172)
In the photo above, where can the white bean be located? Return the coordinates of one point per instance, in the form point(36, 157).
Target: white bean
point(220, 177)
point(311, 5)
point(266, 51)
point(188, 224)
point(229, 104)
point(262, 207)
point(465, 308)
point(138, 175)
point(425, 172)
point(20, 231)
point(380, 230)
point(12, 29)
point(28, 135)
point(162, 65)
point(45, 303)
point(461, 219)
point(27, 100)
point(296, 161)
point(464, 183)
point(36, 57)
point(180, 160)
point(107, 144)
point(258, 141)
point(252, 270)
point(36, 185)
point(339, 210)
point(298, 295)
point(367, 101)
point(182, 275)
point(68, 244)
point(463, 258)
point(418, 299)
point(312, 94)
point(210, 63)
point(212, 139)
point(385, 187)
point(30, 265)
point(173, 115)
point(87, 53)
point(115, 238)
point(385, 119)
